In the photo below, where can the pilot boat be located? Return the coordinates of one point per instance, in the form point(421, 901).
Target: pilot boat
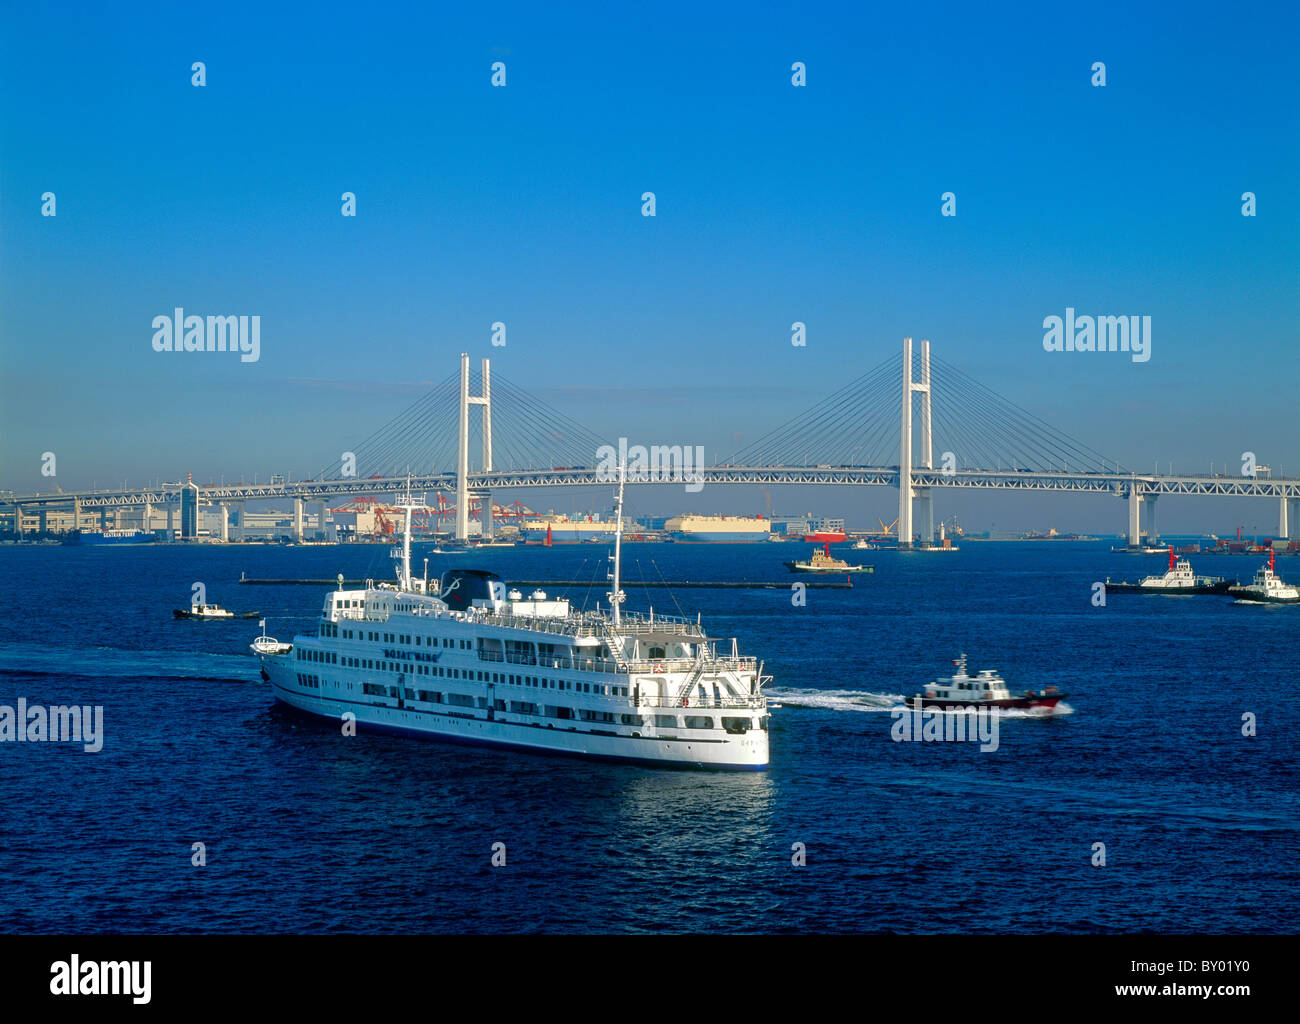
point(988, 689)
point(1266, 588)
point(1177, 579)
point(822, 561)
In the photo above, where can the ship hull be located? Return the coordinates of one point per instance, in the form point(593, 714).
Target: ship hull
point(796, 567)
point(718, 538)
point(98, 540)
point(1024, 703)
point(1254, 597)
point(747, 752)
point(1138, 588)
point(184, 613)
point(562, 536)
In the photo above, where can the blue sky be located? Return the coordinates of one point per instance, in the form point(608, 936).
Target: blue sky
point(522, 204)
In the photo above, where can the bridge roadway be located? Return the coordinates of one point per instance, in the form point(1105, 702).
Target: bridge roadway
point(1117, 484)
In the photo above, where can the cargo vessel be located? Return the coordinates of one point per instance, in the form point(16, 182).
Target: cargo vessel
point(563, 530)
point(718, 529)
point(99, 538)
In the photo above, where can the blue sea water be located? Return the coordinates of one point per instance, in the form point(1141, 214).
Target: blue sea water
point(309, 831)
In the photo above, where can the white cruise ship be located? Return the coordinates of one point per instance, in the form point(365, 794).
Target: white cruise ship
point(478, 664)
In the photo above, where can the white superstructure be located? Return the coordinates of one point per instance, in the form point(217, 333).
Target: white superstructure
point(477, 664)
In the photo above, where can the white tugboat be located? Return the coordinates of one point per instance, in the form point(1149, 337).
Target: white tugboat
point(476, 664)
point(1178, 579)
point(1266, 588)
point(209, 612)
point(988, 689)
point(823, 561)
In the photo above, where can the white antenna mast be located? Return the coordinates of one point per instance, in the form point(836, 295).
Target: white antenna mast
point(409, 509)
point(616, 596)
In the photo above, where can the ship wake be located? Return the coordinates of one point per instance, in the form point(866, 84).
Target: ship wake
point(866, 700)
point(832, 700)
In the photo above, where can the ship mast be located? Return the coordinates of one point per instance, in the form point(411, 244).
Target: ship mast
point(404, 578)
point(616, 595)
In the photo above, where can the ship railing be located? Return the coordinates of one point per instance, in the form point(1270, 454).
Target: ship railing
point(647, 628)
point(559, 627)
point(647, 666)
point(508, 657)
point(610, 666)
point(590, 624)
point(695, 703)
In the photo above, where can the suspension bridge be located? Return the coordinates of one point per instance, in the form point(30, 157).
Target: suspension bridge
point(883, 429)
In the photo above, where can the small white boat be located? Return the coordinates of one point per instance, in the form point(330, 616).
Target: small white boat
point(269, 645)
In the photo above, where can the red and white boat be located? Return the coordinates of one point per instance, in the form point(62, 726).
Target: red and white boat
point(988, 689)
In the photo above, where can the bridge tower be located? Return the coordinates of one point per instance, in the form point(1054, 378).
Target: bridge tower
point(907, 494)
point(463, 495)
point(1289, 519)
point(1138, 500)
